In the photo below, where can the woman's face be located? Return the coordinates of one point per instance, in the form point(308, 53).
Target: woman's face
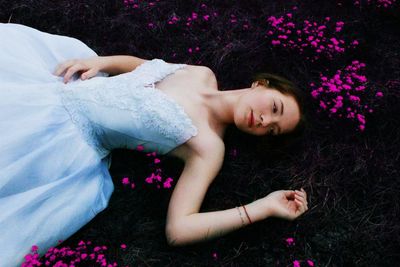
point(273, 112)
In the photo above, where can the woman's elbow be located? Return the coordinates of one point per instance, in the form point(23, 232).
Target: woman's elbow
point(171, 233)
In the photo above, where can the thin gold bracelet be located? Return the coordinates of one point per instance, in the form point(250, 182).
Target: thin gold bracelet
point(240, 214)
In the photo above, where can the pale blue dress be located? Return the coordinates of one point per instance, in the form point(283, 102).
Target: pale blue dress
point(56, 138)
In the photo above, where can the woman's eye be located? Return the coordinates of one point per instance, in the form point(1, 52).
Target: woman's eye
point(275, 109)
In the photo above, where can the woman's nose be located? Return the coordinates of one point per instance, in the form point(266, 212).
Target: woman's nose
point(264, 120)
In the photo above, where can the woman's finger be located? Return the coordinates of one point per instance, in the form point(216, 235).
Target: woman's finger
point(301, 201)
point(63, 66)
point(88, 74)
point(300, 205)
point(71, 72)
point(302, 198)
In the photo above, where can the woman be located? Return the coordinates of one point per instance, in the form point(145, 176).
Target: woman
point(61, 115)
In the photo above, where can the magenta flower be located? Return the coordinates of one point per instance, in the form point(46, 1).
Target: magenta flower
point(313, 39)
point(345, 95)
point(290, 241)
point(125, 180)
point(167, 183)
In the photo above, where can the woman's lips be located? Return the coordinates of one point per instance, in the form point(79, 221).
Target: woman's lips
point(250, 123)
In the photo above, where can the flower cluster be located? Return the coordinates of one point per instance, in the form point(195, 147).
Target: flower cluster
point(311, 38)
point(378, 3)
point(296, 263)
point(155, 177)
point(342, 94)
point(67, 257)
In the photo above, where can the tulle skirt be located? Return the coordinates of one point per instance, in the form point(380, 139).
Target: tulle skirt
point(51, 181)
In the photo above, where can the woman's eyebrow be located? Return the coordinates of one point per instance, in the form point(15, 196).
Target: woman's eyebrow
point(281, 107)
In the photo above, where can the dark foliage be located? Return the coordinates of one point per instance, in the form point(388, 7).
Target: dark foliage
point(352, 178)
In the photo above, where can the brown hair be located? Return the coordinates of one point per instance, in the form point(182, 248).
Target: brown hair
point(281, 141)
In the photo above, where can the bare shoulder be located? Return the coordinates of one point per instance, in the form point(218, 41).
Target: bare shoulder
point(203, 73)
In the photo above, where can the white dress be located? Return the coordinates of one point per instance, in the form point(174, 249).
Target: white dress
point(56, 138)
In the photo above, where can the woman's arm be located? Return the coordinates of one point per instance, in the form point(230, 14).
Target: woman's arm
point(185, 225)
point(89, 67)
point(205, 226)
point(119, 64)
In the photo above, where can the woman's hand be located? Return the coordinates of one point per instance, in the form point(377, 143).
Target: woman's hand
point(89, 68)
point(286, 204)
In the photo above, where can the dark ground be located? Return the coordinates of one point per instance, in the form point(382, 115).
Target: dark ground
point(351, 177)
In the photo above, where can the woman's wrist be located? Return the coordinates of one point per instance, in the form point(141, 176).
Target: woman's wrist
point(119, 64)
point(104, 63)
point(257, 211)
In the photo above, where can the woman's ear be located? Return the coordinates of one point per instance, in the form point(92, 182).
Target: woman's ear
point(263, 82)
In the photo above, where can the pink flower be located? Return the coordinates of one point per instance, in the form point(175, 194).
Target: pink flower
point(123, 246)
point(379, 94)
point(156, 161)
point(361, 118)
point(296, 263)
point(139, 148)
point(290, 24)
point(310, 262)
point(158, 177)
point(347, 87)
point(339, 23)
point(167, 183)
point(290, 241)
point(275, 42)
point(334, 41)
point(125, 180)
point(150, 179)
point(354, 98)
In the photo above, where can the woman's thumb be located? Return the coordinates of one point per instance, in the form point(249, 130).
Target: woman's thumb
point(289, 193)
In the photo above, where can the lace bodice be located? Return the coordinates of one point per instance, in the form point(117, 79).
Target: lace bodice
point(126, 110)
